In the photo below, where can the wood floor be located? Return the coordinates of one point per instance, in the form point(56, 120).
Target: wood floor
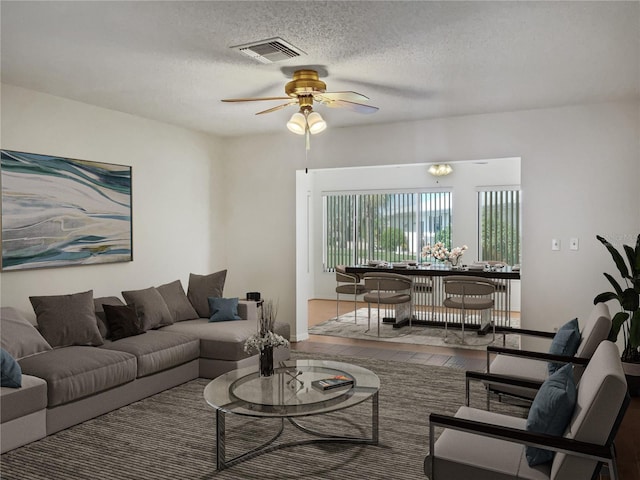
point(627, 440)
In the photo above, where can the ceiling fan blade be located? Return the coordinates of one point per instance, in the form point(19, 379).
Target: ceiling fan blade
point(353, 106)
point(348, 96)
point(279, 107)
point(254, 99)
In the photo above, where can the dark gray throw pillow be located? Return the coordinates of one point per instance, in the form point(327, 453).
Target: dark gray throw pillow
point(123, 321)
point(98, 303)
point(151, 307)
point(177, 301)
point(66, 320)
point(201, 287)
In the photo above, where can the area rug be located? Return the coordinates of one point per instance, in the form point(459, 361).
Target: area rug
point(171, 435)
point(346, 326)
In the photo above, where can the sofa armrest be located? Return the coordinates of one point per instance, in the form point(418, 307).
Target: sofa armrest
point(248, 309)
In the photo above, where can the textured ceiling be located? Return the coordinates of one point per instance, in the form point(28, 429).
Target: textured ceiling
point(171, 61)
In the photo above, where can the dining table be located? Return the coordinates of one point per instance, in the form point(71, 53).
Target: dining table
point(428, 290)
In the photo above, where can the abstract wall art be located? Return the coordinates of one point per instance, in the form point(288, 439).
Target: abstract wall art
point(60, 212)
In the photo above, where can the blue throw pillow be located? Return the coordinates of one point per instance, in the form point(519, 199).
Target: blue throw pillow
point(10, 369)
point(565, 342)
point(551, 411)
point(223, 309)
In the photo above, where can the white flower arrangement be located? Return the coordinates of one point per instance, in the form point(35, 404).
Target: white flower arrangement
point(440, 252)
point(265, 337)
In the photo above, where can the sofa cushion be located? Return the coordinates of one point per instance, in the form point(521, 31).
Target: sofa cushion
point(201, 287)
point(151, 307)
point(76, 372)
point(222, 340)
point(177, 301)
point(223, 309)
point(565, 342)
point(66, 320)
point(18, 336)
point(18, 402)
point(551, 411)
point(123, 321)
point(99, 311)
point(10, 372)
point(158, 350)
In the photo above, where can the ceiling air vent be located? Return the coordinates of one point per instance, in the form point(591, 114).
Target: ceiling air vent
point(269, 51)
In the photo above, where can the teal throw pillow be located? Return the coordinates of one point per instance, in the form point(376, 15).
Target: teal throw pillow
point(223, 309)
point(10, 370)
point(551, 411)
point(565, 342)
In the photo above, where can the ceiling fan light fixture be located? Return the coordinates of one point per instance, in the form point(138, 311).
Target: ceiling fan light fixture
point(316, 123)
point(440, 169)
point(297, 123)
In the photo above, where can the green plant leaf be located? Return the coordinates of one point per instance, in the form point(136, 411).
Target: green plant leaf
point(614, 283)
point(605, 297)
point(616, 324)
point(630, 300)
point(631, 257)
point(617, 258)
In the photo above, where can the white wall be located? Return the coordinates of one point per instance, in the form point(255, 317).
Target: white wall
point(580, 170)
point(177, 190)
point(201, 204)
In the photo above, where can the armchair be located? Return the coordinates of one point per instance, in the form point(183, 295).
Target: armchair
point(486, 445)
point(530, 366)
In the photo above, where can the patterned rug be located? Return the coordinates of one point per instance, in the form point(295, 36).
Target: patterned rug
point(171, 435)
point(346, 326)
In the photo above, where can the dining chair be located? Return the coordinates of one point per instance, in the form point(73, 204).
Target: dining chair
point(384, 288)
point(348, 284)
point(532, 368)
point(487, 445)
point(468, 294)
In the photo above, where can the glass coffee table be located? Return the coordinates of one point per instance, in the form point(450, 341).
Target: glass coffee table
point(288, 394)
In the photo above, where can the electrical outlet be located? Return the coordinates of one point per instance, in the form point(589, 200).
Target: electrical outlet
point(573, 243)
point(555, 244)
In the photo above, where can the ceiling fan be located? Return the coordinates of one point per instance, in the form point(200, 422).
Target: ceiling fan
point(305, 88)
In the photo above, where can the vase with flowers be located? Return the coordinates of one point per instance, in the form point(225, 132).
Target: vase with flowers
point(440, 253)
point(265, 339)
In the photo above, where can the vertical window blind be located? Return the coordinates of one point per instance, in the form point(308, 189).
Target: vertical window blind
point(359, 227)
point(499, 225)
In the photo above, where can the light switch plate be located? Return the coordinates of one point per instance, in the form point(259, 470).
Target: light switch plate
point(573, 243)
point(555, 244)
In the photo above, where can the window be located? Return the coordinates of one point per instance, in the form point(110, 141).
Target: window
point(499, 225)
point(359, 227)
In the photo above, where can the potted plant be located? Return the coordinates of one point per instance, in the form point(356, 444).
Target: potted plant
point(627, 319)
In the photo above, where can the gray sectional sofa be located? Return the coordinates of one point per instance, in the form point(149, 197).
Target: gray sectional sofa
point(66, 384)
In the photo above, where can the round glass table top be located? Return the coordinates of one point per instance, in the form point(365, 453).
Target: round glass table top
point(290, 391)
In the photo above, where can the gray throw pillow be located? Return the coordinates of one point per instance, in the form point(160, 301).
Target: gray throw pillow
point(19, 336)
point(98, 303)
point(177, 301)
point(201, 287)
point(66, 320)
point(151, 307)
